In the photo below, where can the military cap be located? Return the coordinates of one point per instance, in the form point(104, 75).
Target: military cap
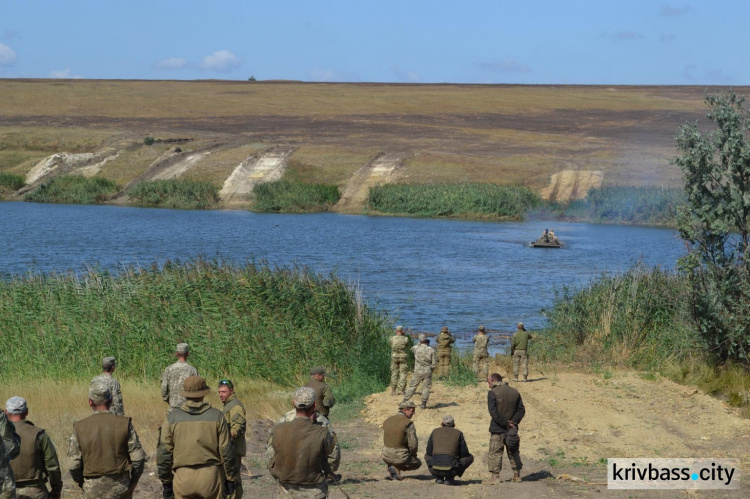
point(399, 328)
point(194, 387)
point(16, 405)
point(481, 328)
point(519, 325)
point(99, 392)
point(448, 420)
point(445, 329)
point(182, 348)
point(304, 397)
point(422, 337)
point(317, 370)
point(407, 405)
point(108, 362)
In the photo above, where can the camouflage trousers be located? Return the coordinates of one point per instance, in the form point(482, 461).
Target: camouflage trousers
point(107, 487)
point(32, 492)
point(520, 357)
point(495, 454)
point(444, 363)
point(7, 482)
point(423, 376)
point(400, 459)
point(289, 490)
point(399, 370)
point(481, 366)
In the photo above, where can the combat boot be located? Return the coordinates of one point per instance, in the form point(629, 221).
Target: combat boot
point(516, 477)
point(494, 479)
point(424, 405)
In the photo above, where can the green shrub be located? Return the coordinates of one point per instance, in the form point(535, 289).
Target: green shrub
point(175, 193)
point(149, 141)
point(622, 204)
point(11, 181)
point(285, 196)
point(74, 189)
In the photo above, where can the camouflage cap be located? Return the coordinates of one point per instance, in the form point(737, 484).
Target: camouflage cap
point(399, 328)
point(16, 405)
point(445, 329)
point(194, 387)
point(317, 370)
point(407, 405)
point(422, 337)
point(108, 362)
point(99, 393)
point(182, 348)
point(481, 328)
point(448, 420)
point(304, 397)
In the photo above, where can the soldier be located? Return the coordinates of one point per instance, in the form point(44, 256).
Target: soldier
point(299, 451)
point(10, 446)
point(37, 462)
point(444, 340)
point(108, 367)
point(481, 356)
point(518, 348)
point(105, 457)
point(324, 399)
point(174, 376)
point(400, 444)
point(424, 363)
point(399, 366)
point(447, 454)
point(334, 459)
point(506, 410)
point(234, 414)
point(196, 457)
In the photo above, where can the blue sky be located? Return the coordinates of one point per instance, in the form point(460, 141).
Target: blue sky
point(538, 42)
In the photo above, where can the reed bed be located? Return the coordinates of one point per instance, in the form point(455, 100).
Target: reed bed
point(482, 200)
point(287, 196)
point(624, 204)
point(175, 193)
point(73, 189)
point(11, 181)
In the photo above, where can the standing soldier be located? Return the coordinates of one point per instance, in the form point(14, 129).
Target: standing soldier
point(447, 454)
point(108, 367)
point(105, 457)
point(481, 356)
point(400, 444)
point(324, 399)
point(299, 451)
point(234, 414)
point(425, 361)
point(37, 462)
point(196, 457)
point(506, 410)
point(399, 366)
point(444, 341)
point(10, 446)
point(174, 376)
point(519, 345)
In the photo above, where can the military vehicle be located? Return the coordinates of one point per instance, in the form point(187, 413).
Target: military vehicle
point(547, 240)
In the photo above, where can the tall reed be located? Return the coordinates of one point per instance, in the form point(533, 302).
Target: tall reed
point(624, 204)
point(175, 193)
point(73, 189)
point(11, 181)
point(286, 196)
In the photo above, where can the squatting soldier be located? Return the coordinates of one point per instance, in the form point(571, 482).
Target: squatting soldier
point(37, 462)
point(174, 376)
point(447, 454)
point(324, 399)
point(519, 345)
point(299, 451)
point(234, 414)
point(10, 446)
point(196, 457)
point(400, 444)
point(481, 355)
point(506, 410)
point(334, 459)
point(444, 340)
point(108, 368)
point(399, 367)
point(425, 361)
point(105, 457)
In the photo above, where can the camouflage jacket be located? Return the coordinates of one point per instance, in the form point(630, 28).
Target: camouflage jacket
point(480, 344)
point(171, 383)
point(234, 414)
point(444, 341)
point(10, 446)
point(114, 387)
point(424, 357)
point(520, 341)
point(399, 344)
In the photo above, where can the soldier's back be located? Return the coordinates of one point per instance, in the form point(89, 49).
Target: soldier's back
point(174, 377)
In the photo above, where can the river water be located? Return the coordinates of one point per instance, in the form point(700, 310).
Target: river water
point(424, 273)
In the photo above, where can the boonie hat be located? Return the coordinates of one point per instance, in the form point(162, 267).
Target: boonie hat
point(317, 370)
point(108, 362)
point(512, 440)
point(448, 420)
point(182, 348)
point(16, 405)
point(407, 405)
point(194, 387)
point(304, 397)
point(99, 392)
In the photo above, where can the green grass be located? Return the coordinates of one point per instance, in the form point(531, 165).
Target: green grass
point(483, 200)
point(175, 193)
point(244, 321)
point(73, 189)
point(461, 373)
point(11, 181)
point(285, 196)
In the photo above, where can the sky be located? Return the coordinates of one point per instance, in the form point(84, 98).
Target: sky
point(597, 42)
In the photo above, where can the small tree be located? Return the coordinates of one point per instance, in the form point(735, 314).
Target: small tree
point(716, 167)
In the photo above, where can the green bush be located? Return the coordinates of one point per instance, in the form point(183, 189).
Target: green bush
point(74, 189)
point(285, 196)
point(175, 193)
point(11, 181)
point(453, 200)
point(149, 141)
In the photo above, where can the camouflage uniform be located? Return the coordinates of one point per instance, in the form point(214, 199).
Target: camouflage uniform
point(334, 460)
point(234, 414)
point(114, 387)
point(400, 444)
point(399, 366)
point(425, 361)
point(10, 446)
point(519, 345)
point(481, 356)
point(172, 379)
point(444, 341)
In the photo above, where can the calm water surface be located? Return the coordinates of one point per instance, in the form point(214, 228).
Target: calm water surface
point(424, 273)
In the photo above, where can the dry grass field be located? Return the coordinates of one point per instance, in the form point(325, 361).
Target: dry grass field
point(504, 134)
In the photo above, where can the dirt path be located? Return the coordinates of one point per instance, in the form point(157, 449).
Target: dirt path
point(379, 170)
point(255, 169)
point(86, 164)
point(570, 185)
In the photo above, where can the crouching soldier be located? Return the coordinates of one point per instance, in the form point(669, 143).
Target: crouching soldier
point(400, 444)
point(447, 454)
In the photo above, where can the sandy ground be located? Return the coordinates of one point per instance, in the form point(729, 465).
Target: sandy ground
point(256, 169)
point(380, 170)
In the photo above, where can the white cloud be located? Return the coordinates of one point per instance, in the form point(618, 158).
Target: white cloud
point(221, 60)
point(7, 56)
point(171, 63)
point(403, 75)
point(318, 74)
point(669, 11)
point(510, 65)
point(63, 74)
